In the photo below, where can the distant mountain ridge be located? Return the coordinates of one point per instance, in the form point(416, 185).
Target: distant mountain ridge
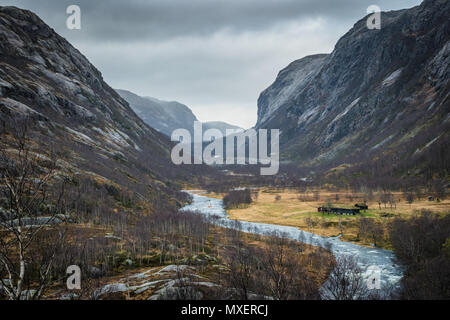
point(219, 125)
point(163, 116)
point(378, 92)
point(166, 116)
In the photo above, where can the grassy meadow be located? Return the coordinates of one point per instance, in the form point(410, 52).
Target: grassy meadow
point(299, 209)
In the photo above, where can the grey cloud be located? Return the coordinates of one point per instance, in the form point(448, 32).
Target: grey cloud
point(216, 56)
point(133, 20)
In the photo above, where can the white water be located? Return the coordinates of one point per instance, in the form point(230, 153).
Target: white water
point(367, 258)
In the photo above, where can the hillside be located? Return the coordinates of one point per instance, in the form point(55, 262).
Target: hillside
point(380, 95)
point(48, 82)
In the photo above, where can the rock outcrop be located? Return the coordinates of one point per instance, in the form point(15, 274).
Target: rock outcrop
point(378, 91)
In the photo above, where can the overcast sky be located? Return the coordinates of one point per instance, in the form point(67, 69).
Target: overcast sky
point(215, 56)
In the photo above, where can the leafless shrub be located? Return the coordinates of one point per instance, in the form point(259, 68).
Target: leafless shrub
point(345, 281)
point(30, 190)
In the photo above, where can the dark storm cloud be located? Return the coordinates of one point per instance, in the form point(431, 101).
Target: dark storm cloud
point(154, 19)
point(216, 56)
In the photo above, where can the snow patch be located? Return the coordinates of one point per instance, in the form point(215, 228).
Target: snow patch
point(383, 142)
point(83, 112)
point(5, 84)
point(389, 80)
point(71, 85)
point(38, 59)
point(81, 136)
point(431, 142)
point(427, 145)
point(115, 137)
point(307, 116)
point(347, 109)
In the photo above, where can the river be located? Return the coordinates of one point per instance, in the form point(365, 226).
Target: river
point(370, 260)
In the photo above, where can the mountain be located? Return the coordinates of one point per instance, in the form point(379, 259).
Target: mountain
point(222, 126)
point(380, 93)
point(166, 116)
point(44, 79)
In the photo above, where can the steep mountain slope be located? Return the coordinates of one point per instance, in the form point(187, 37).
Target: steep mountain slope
point(378, 92)
point(166, 116)
point(291, 80)
point(45, 79)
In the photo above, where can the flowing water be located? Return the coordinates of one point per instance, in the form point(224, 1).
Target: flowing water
point(370, 260)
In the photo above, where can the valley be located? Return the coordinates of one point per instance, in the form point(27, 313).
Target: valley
point(364, 258)
point(90, 176)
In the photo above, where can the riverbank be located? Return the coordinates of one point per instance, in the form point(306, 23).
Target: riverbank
point(366, 258)
point(299, 209)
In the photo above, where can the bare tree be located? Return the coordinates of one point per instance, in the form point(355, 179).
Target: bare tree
point(309, 223)
point(241, 276)
point(346, 281)
point(422, 244)
point(336, 197)
point(409, 197)
point(26, 180)
point(370, 229)
point(419, 193)
point(316, 195)
point(283, 275)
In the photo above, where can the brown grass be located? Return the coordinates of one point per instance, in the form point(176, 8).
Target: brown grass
point(291, 211)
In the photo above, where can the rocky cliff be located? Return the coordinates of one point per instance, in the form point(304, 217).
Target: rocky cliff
point(378, 92)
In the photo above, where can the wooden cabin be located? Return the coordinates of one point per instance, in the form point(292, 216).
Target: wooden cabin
point(341, 211)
